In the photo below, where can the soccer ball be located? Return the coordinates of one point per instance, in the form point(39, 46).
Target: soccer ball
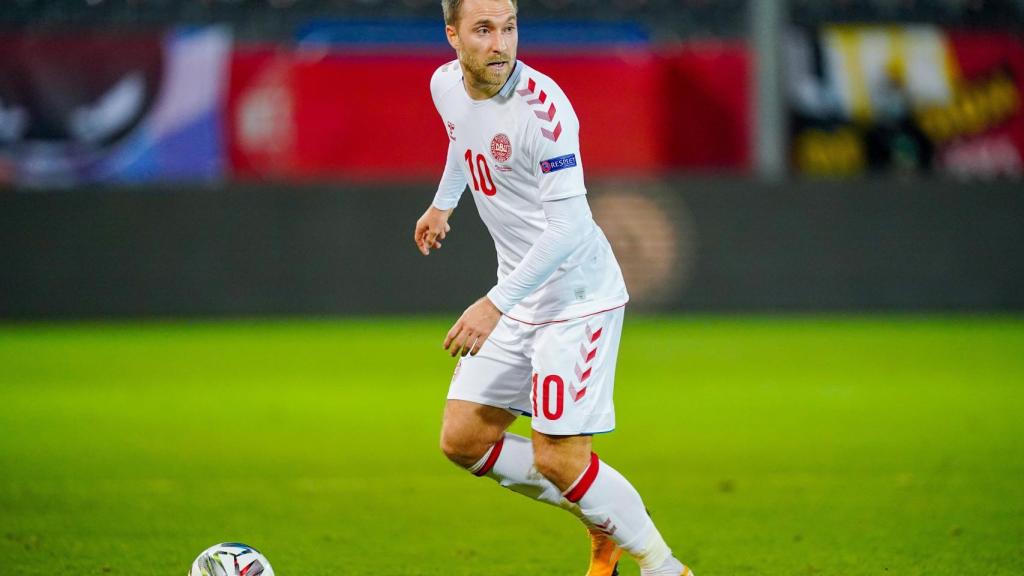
point(231, 559)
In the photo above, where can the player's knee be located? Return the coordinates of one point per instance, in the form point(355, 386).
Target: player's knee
point(461, 449)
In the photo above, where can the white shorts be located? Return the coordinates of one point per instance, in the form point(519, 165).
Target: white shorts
point(562, 374)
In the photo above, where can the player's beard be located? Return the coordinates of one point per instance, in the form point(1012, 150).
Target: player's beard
point(483, 76)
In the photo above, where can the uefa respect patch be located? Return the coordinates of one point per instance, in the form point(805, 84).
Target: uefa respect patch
point(560, 163)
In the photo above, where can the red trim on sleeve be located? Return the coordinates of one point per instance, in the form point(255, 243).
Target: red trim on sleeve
point(586, 480)
point(492, 458)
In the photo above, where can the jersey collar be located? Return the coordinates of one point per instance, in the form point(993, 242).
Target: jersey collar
point(512, 82)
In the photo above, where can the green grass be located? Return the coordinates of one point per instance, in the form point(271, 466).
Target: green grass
point(792, 446)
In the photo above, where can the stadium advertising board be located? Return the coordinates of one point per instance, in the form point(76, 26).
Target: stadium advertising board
point(906, 99)
point(103, 107)
point(318, 113)
point(706, 244)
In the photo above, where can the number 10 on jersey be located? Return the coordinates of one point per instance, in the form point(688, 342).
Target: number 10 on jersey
point(483, 182)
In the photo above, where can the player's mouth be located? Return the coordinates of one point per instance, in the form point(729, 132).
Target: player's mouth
point(497, 66)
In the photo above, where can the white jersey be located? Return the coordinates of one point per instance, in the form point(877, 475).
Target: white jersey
point(516, 151)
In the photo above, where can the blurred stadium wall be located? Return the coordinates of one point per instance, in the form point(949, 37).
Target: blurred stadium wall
point(271, 156)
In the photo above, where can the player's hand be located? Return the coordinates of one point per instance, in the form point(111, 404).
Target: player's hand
point(431, 228)
point(473, 328)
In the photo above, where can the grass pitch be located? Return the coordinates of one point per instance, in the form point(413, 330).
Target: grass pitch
point(800, 446)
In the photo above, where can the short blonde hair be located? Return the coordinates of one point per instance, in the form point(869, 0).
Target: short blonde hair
point(451, 10)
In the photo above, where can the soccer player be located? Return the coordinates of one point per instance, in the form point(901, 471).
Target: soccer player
point(544, 340)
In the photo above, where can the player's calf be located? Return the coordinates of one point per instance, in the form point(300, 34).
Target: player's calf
point(561, 459)
point(510, 462)
point(614, 507)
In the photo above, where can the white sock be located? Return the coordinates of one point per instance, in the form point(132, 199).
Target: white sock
point(613, 506)
point(510, 462)
point(671, 567)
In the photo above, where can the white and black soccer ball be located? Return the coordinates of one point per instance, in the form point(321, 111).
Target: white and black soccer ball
point(231, 559)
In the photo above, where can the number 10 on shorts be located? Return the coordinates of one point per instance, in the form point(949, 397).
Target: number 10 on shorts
point(545, 396)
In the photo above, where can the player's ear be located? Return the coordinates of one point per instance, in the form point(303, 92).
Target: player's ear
point(453, 36)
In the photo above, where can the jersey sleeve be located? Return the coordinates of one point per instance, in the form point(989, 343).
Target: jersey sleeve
point(444, 79)
point(567, 221)
point(557, 163)
point(453, 182)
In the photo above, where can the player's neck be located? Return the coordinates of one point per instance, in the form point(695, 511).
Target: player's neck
point(479, 92)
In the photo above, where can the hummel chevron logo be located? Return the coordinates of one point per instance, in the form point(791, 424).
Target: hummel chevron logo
point(576, 394)
point(582, 375)
point(587, 356)
point(607, 527)
point(530, 87)
point(552, 135)
point(546, 115)
point(584, 367)
point(549, 115)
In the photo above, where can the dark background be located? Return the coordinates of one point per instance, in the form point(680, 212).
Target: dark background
point(329, 249)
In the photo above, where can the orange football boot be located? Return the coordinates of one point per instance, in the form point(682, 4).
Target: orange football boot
point(604, 555)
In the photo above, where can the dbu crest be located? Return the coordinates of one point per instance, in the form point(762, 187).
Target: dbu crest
point(501, 148)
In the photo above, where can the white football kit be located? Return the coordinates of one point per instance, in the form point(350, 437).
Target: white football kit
point(552, 354)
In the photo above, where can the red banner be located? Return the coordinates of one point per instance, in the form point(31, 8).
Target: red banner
point(981, 132)
point(303, 115)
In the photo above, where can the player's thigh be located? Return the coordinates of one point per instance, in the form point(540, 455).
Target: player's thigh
point(573, 382)
point(499, 374)
point(488, 391)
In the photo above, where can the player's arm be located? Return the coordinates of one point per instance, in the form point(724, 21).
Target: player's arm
point(433, 226)
point(562, 192)
point(568, 221)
